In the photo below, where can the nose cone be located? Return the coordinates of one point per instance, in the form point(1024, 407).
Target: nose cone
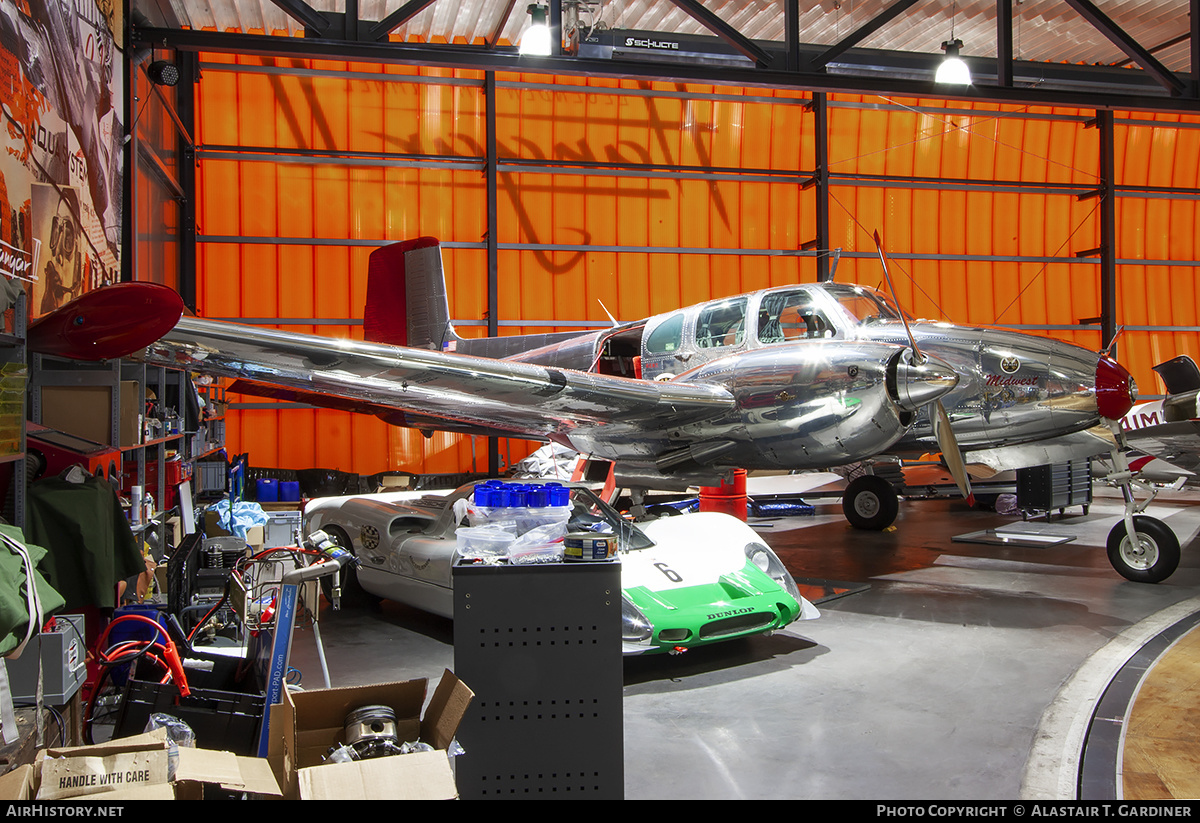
point(917, 384)
point(1116, 391)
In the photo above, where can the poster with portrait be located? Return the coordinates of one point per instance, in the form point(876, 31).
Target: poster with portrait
point(62, 132)
point(59, 276)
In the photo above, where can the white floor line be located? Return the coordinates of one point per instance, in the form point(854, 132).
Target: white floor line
point(1052, 771)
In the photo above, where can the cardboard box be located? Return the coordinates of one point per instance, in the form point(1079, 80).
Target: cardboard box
point(281, 505)
point(307, 724)
point(136, 768)
point(18, 784)
point(86, 411)
point(394, 483)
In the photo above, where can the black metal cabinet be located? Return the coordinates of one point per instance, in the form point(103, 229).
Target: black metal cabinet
point(540, 646)
point(1055, 486)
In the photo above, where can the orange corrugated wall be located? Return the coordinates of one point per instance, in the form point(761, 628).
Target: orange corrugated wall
point(665, 124)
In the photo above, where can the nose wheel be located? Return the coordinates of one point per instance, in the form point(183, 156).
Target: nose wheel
point(1151, 556)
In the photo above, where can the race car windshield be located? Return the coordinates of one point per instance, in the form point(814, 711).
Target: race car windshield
point(590, 513)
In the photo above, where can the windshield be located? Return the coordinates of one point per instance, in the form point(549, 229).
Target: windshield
point(865, 305)
point(590, 513)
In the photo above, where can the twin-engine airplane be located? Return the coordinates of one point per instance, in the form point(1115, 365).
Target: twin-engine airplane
point(799, 377)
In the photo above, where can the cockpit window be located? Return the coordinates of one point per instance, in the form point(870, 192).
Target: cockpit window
point(791, 315)
point(865, 305)
point(667, 337)
point(722, 324)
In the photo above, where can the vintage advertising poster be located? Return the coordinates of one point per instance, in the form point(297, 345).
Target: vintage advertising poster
point(62, 132)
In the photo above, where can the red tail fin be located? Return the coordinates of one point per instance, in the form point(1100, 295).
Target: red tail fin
point(406, 296)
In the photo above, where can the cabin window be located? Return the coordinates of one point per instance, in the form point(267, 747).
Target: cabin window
point(791, 315)
point(722, 324)
point(667, 337)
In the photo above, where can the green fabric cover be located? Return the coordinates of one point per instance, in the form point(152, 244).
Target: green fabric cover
point(91, 547)
point(14, 611)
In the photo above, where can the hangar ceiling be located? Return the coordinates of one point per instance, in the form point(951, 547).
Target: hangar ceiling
point(1093, 53)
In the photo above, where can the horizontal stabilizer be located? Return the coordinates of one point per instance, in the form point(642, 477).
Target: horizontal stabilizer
point(1180, 374)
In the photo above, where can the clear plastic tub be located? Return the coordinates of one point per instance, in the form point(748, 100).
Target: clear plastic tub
point(483, 541)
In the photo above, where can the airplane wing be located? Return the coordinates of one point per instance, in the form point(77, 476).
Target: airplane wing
point(467, 393)
point(1175, 443)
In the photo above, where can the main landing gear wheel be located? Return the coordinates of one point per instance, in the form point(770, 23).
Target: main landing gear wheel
point(870, 503)
point(1152, 559)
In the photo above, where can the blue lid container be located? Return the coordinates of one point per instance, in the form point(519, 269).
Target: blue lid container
point(538, 497)
point(485, 495)
point(559, 495)
point(266, 490)
point(289, 491)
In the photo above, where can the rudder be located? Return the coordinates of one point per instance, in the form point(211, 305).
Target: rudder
point(406, 296)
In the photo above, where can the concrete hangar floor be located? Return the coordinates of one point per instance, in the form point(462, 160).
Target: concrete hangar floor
point(953, 670)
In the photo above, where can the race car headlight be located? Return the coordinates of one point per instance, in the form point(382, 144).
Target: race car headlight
point(769, 564)
point(635, 628)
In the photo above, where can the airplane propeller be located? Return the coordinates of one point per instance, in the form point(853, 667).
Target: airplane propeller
point(942, 429)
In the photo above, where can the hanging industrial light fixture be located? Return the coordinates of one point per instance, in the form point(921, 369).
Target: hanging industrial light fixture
point(953, 69)
point(536, 39)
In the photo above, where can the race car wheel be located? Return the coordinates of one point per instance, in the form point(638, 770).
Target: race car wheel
point(354, 596)
point(1152, 559)
point(870, 503)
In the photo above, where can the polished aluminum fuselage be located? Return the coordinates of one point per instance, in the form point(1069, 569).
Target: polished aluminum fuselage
point(1013, 388)
point(822, 403)
point(790, 378)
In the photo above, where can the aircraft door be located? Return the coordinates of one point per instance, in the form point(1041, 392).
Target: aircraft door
point(663, 354)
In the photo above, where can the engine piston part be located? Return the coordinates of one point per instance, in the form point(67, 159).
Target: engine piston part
point(371, 731)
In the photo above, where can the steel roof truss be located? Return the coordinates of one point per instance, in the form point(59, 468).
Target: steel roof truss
point(397, 18)
point(1102, 23)
point(725, 31)
point(863, 32)
point(301, 12)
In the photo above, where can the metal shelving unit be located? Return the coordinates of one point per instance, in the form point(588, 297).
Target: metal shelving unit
point(145, 451)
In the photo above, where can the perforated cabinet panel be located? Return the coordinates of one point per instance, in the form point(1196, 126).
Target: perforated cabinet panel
point(541, 648)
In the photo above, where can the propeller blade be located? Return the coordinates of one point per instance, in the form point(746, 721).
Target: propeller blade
point(947, 442)
point(951, 452)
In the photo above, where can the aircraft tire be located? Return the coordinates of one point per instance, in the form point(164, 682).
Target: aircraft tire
point(870, 503)
point(354, 596)
point(1153, 560)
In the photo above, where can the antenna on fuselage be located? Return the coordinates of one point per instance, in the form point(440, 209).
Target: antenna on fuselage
point(940, 419)
point(836, 254)
point(606, 311)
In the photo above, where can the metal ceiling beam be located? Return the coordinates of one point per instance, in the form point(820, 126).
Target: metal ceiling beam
point(494, 37)
point(1103, 24)
point(879, 73)
point(1195, 51)
point(723, 30)
point(303, 13)
point(1004, 43)
point(397, 18)
point(863, 32)
point(791, 33)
